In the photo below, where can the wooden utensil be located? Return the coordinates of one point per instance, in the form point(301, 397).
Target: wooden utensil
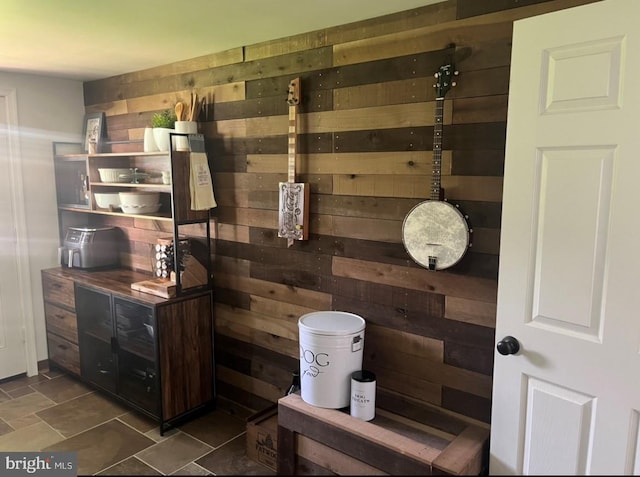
point(203, 108)
point(194, 100)
point(179, 110)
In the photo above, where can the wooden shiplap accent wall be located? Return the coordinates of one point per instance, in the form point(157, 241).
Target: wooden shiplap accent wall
point(365, 147)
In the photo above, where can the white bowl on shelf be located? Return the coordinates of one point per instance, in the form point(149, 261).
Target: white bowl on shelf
point(106, 200)
point(140, 209)
point(110, 174)
point(142, 202)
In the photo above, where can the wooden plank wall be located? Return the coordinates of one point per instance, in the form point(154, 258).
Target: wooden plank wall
point(365, 147)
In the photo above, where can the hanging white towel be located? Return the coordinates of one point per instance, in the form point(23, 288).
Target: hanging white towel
point(200, 183)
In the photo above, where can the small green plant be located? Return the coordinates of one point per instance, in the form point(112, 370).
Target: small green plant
point(164, 119)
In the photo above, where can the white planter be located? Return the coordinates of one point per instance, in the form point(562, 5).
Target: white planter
point(188, 127)
point(161, 136)
point(149, 141)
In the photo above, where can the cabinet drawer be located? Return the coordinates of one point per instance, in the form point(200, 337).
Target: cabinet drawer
point(64, 353)
point(61, 322)
point(58, 290)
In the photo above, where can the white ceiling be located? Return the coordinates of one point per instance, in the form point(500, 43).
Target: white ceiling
point(93, 39)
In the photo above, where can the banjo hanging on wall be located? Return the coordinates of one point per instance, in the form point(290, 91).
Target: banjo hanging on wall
point(434, 232)
point(293, 210)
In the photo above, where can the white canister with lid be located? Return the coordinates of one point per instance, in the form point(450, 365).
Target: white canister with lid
point(363, 395)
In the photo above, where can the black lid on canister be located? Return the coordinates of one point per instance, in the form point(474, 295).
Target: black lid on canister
point(363, 376)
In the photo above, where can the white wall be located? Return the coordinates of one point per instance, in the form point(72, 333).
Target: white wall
point(49, 109)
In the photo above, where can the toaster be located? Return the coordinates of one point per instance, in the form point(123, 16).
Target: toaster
point(86, 247)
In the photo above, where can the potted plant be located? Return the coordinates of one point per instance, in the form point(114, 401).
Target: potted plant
point(164, 119)
point(163, 123)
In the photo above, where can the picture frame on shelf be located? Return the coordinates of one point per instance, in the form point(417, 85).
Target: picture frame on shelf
point(94, 130)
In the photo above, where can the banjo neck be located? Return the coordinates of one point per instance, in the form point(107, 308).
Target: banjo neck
point(437, 193)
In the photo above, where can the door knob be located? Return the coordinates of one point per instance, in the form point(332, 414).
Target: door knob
point(508, 345)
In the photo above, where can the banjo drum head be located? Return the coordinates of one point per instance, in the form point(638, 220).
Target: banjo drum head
point(435, 229)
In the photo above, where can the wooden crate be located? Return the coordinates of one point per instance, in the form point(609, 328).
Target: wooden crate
point(262, 437)
point(314, 440)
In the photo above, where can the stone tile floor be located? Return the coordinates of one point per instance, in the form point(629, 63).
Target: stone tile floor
point(55, 412)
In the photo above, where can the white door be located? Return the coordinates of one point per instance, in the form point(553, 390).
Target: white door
point(13, 358)
point(569, 281)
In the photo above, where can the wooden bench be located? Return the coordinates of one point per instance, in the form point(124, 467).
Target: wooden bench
point(314, 440)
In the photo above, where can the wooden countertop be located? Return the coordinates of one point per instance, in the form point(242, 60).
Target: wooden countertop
point(114, 280)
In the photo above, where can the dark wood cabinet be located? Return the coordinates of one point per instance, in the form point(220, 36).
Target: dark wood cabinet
point(154, 354)
point(153, 350)
point(60, 320)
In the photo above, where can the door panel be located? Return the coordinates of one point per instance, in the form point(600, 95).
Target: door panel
point(567, 402)
point(558, 424)
point(579, 180)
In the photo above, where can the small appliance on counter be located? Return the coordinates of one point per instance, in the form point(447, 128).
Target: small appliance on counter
point(87, 247)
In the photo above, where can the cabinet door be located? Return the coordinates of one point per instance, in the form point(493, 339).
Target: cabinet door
point(95, 334)
point(137, 370)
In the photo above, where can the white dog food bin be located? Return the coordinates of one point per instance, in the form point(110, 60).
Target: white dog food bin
point(331, 347)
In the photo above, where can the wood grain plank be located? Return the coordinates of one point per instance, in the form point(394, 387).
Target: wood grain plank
point(241, 351)
point(470, 311)
point(227, 325)
point(249, 384)
point(470, 84)
point(442, 283)
point(232, 233)
point(380, 356)
point(397, 186)
point(399, 21)
point(255, 320)
point(101, 91)
point(476, 188)
point(373, 118)
point(370, 163)
point(456, 460)
point(427, 38)
point(469, 8)
point(412, 345)
point(437, 417)
point(480, 109)
point(472, 358)
point(458, 188)
point(394, 303)
point(279, 309)
point(473, 406)
point(416, 321)
point(248, 217)
point(332, 460)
